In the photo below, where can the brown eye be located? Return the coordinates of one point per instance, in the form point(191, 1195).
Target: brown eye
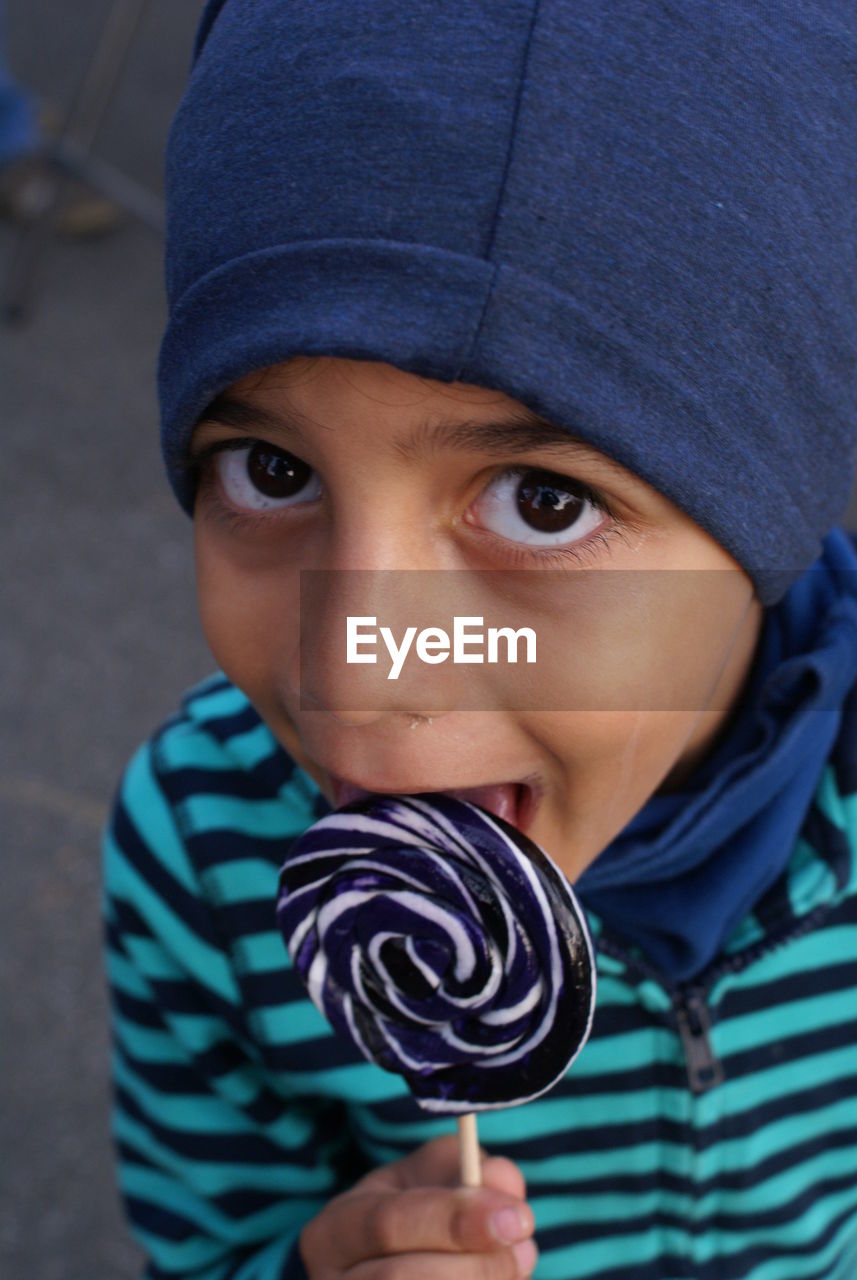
point(257, 476)
point(539, 508)
point(274, 473)
point(548, 503)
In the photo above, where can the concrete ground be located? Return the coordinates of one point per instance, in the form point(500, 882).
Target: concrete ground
point(99, 636)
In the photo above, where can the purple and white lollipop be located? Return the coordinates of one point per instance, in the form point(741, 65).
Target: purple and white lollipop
point(445, 944)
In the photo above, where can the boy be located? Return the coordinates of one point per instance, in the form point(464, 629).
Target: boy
point(505, 287)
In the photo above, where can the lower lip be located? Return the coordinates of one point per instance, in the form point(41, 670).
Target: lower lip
point(515, 803)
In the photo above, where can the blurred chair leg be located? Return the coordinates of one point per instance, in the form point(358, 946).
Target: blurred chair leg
point(70, 157)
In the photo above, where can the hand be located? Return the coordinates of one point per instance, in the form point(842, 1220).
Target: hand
point(411, 1221)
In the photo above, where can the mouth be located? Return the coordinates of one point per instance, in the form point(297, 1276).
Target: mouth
point(514, 802)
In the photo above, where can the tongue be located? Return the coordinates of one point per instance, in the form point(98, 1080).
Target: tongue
point(501, 800)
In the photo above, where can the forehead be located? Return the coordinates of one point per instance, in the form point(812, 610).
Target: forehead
point(325, 377)
point(417, 416)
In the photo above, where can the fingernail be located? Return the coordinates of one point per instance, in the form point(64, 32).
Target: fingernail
point(509, 1225)
point(526, 1255)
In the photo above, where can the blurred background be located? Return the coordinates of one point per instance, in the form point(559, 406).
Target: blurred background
point(99, 636)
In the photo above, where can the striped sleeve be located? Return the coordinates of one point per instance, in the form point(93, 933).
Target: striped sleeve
point(218, 1171)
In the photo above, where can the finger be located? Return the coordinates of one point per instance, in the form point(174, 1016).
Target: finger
point(365, 1225)
point(434, 1164)
point(506, 1264)
point(503, 1175)
point(438, 1164)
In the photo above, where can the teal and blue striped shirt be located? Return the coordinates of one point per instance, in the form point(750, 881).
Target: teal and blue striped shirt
point(706, 1132)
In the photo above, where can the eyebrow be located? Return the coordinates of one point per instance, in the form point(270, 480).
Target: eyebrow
point(513, 434)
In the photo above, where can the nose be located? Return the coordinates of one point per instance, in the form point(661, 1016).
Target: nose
point(359, 660)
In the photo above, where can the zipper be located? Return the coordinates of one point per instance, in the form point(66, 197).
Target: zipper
point(690, 1007)
point(704, 1068)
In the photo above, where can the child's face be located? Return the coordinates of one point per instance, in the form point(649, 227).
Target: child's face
point(331, 487)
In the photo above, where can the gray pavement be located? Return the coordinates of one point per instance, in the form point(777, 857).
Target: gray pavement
point(99, 636)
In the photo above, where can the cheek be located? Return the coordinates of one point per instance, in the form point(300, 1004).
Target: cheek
point(636, 641)
point(250, 621)
point(605, 758)
point(606, 766)
point(643, 673)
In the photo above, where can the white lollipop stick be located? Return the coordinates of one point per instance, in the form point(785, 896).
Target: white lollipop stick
point(471, 1165)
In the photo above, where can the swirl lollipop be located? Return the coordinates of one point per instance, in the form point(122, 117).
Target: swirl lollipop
point(444, 944)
